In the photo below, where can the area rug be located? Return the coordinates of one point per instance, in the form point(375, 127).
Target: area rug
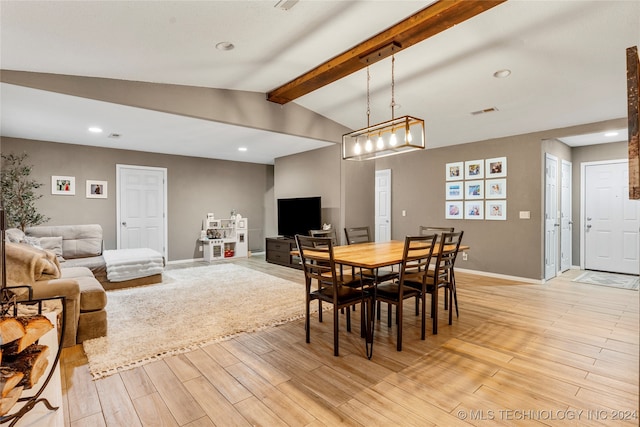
point(192, 307)
point(612, 280)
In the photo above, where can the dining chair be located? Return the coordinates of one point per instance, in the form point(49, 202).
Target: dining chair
point(357, 235)
point(316, 254)
point(443, 275)
point(331, 233)
point(412, 281)
point(427, 229)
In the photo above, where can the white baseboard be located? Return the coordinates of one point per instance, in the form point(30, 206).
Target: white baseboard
point(184, 261)
point(501, 276)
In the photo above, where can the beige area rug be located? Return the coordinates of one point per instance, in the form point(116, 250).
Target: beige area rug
point(192, 307)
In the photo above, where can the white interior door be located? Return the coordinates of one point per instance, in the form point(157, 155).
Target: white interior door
point(565, 217)
point(142, 219)
point(551, 217)
point(383, 205)
point(611, 220)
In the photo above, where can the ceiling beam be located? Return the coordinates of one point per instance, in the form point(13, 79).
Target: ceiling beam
point(427, 22)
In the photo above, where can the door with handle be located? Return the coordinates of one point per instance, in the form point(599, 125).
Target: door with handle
point(141, 206)
point(611, 220)
point(383, 205)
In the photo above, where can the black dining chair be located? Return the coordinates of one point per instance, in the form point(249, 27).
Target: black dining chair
point(412, 281)
point(319, 266)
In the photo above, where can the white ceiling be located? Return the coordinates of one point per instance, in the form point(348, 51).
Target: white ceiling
point(567, 60)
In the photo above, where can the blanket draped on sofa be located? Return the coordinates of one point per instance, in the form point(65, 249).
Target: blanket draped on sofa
point(26, 264)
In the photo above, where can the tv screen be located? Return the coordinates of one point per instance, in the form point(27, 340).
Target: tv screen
point(299, 215)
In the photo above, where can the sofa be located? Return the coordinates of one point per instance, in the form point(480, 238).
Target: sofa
point(86, 299)
point(83, 246)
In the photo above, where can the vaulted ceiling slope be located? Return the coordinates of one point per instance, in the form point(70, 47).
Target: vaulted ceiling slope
point(567, 62)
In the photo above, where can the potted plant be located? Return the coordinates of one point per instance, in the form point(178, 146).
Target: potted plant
point(18, 192)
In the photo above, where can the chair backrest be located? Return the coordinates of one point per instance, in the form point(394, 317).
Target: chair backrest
point(330, 233)
point(416, 257)
point(447, 252)
point(318, 264)
point(357, 235)
point(427, 229)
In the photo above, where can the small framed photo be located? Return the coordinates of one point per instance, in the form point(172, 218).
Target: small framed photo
point(474, 189)
point(495, 188)
point(455, 191)
point(496, 210)
point(496, 167)
point(474, 169)
point(474, 210)
point(96, 189)
point(454, 210)
point(455, 171)
point(63, 185)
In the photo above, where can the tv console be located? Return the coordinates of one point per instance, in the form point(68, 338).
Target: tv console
point(279, 252)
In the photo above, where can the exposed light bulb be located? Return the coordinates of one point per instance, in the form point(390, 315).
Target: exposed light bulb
point(393, 141)
point(380, 143)
point(368, 146)
point(356, 148)
point(409, 137)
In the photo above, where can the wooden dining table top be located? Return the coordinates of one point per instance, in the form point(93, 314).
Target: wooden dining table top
point(373, 255)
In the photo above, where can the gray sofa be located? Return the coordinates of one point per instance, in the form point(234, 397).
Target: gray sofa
point(82, 246)
point(86, 300)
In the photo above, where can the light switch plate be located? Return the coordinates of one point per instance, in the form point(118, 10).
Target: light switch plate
point(525, 215)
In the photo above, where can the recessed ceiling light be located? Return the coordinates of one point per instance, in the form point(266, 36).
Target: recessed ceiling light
point(242, 149)
point(501, 74)
point(610, 134)
point(225, 46)
point(95, 129)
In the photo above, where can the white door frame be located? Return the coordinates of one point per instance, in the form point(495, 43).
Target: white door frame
point(583, 201)
point(164, 207)
point(555, 227)
point(566, 220)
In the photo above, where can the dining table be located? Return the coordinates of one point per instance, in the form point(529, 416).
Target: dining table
point(375, 255)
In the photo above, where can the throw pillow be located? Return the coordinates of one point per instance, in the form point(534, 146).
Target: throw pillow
point(53, 244)
point(14, 235)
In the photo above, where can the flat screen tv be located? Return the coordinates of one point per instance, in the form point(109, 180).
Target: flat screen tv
point(299, 215)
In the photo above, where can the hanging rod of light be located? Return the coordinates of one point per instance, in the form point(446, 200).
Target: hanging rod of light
point(398, 135)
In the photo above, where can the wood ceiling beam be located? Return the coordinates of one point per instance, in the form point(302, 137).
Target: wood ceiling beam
point(429, 21)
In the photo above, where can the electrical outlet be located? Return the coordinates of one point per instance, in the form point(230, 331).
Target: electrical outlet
point(200, 248)
point(465, 256)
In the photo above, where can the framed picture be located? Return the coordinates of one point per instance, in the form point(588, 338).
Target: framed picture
point(455, 191)
point(496, 167)
point(454, 210)
point(474, 210)
point(96, 189)
point(455, 171)
point(474, 169)
point(496, 210)
point(474, 189)
point(63, 185)
point(495, 188)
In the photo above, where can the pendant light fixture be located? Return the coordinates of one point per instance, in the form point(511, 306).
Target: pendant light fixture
point(398, 135)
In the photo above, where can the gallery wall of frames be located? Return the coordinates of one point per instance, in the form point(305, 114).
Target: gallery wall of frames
point(477, 189)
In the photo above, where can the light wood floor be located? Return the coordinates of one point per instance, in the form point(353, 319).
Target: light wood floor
point(562, 353)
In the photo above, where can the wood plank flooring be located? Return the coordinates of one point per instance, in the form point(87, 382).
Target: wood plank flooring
point(561, 353)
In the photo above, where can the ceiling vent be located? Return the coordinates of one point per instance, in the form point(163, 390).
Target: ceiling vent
point(486, 110)
point(286, 4)
point(114, 135)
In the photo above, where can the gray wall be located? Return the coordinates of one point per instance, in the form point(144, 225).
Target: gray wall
point(195, 187)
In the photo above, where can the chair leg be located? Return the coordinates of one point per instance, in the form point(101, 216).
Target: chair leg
point(335, 332)
point(307, 324)
point(450, 292)
point(424, 318)
point(417, 305)
point(348, 319)
point(319, 310)
point(389, 311)
point(399, 320)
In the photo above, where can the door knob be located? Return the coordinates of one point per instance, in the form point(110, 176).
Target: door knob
point(588, 225)
point(124, 223)
point(588, 219)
